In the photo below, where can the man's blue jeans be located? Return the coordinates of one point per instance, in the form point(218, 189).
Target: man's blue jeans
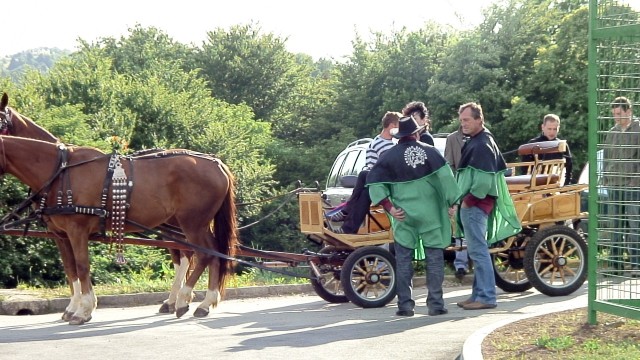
point(474, 222)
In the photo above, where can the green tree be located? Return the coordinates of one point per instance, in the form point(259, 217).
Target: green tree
point(242, 65)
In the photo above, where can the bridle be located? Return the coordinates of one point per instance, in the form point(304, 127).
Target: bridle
point(6, 125)
point(3, 167)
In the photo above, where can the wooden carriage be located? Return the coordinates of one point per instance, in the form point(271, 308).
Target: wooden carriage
point(547, 253)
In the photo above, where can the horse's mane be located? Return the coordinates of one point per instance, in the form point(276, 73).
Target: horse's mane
point(30, 121)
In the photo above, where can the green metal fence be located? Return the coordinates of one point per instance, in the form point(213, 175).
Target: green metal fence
point(614, 190)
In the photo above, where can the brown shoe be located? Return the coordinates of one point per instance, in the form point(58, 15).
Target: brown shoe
point(463, 303)
point(478, 306)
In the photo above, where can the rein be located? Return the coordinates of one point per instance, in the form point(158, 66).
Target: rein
point(289, 195)
point(219, 254)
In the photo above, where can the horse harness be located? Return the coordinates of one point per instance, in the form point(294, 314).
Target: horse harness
point(5, 122)
point(116, 179)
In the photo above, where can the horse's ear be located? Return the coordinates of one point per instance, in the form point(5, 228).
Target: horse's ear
point(5, 101)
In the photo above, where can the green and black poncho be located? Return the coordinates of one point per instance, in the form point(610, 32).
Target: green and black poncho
point(416, 178)
point(481, 173)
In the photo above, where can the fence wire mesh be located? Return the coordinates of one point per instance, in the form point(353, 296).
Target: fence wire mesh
point(614, 69)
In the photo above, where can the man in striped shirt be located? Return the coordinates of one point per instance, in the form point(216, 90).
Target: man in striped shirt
point(383, 141)
point(358, 204)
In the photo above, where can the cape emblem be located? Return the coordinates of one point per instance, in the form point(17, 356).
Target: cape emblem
point(415, 156)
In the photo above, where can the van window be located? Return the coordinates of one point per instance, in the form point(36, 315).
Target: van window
point(351, 162)
point(332, 181)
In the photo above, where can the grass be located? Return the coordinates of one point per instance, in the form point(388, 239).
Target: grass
point(143, 284)
point(565, 335)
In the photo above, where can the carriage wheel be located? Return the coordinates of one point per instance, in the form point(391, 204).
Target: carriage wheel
point(328, 285)
point(556, 260)
point(508, 268)
point(369, 277)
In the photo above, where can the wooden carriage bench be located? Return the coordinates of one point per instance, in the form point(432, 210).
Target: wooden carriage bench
point(539, 174)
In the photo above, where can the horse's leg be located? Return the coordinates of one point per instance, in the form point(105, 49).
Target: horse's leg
point(88, 301)
point(213, 296)
point(69, 264)
point(181, 260)
point(185, 295)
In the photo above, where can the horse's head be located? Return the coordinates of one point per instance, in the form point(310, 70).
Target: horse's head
point(6, 122)
point(16, 124)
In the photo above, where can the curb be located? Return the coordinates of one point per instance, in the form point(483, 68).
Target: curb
point(25, 304)
point(19, 302)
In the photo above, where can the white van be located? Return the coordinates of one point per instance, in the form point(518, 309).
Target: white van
point(344, 172)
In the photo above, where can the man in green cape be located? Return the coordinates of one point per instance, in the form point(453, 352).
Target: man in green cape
point(487, 213)
point(415, 185)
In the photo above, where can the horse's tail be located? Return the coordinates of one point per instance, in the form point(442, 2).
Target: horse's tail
point(226, 229)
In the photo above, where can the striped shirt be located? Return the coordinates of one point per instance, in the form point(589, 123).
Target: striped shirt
point(376, 148)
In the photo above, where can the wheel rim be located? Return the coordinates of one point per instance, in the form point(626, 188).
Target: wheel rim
point(559, 260)
point(372, 277)
point(330, 280)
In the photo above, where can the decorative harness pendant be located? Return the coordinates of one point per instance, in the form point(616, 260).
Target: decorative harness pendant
point(118, 207)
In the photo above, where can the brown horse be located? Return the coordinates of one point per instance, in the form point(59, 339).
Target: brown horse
point(16, 124)
point(195, 190)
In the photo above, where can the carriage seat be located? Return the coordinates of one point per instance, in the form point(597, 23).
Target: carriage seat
point(520, 183)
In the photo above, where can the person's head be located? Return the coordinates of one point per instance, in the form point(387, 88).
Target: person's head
point(390, 119)
point(622, 111)
point(551, 126)
point(408, 127)
point(419, 111)
point(471, 118)
point(390, 124)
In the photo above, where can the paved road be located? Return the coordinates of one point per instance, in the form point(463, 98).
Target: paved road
point(290, 327)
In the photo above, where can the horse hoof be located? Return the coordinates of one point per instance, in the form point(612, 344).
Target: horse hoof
point(77, 320)
point(200, 313)
point(181, 311)
point(167, 308)
point(66, 316)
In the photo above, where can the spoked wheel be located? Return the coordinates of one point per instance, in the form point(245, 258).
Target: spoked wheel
point(369, 277)
point(508, 268)
point(328, 285)
point(556, 260)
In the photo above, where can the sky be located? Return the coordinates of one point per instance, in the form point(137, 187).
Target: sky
point(323, 28)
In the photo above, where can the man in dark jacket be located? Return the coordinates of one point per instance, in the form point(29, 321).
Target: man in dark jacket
point(415, 185)
point(621, 166)
point(550, 129)
point(487, 213)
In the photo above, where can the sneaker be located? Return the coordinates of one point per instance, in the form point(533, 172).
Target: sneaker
point(460, 273)
point(405, 313)
point(337, 217)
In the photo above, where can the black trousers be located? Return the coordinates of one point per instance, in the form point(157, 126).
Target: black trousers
point(358, 205)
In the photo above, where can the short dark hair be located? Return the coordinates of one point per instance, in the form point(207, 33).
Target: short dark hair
point(476, 110)
point(622, 103)
point(391, 117)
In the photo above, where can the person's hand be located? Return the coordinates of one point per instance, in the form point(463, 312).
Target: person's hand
point(397, 213)
point(453, 210)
